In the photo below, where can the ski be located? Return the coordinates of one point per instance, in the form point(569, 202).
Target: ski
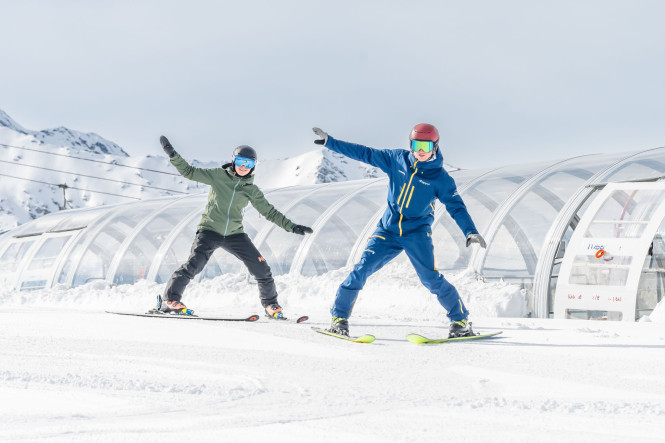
point(362, 339)
point(301, 319)
point(422, 340)
point(185, 316)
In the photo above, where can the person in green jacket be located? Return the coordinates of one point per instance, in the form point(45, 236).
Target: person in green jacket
point(231, 189)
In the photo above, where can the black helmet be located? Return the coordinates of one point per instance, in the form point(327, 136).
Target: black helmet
point(245, 151)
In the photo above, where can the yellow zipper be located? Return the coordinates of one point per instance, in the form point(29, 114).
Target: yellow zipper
point(402, 207)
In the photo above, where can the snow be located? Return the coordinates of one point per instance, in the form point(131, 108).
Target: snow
point(71, 372)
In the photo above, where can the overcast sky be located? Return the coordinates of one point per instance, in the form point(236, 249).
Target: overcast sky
point(504, 81)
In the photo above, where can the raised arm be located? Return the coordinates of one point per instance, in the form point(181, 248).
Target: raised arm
point(376, 157)
point(185, 169)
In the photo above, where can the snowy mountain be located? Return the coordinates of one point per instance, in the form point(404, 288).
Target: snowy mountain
point(65, 137)
point(45, 171)
point(318, 166)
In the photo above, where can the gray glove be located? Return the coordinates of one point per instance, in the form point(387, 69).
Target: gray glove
point(475, 238)
point(323, 136)
point(166, 145)
point(302, 230)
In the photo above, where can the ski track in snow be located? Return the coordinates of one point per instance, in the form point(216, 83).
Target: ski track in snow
point(70, 372)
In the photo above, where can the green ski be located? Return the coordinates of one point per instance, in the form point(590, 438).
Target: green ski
point(421, 340)
point(362, 339)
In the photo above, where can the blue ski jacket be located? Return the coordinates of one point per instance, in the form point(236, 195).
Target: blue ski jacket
point(413, 188)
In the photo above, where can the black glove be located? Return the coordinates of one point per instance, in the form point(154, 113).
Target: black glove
point(323, 136)
point(166, 145)
point(302, 230)
point(475, 238)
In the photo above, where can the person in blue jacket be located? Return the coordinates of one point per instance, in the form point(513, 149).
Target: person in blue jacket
point(417, 180)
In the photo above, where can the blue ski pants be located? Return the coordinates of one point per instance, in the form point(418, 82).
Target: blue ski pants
point(382, 247)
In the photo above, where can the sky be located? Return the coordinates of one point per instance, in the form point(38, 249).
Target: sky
point(505, 82)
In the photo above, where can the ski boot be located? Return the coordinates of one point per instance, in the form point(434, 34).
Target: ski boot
point(172, 307)
point(339, 326)
point(275, 311)
point(460, 328)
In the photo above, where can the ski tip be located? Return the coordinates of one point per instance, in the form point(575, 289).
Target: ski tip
point(302, 319)
point(367, 338)
point(252, 317)
point(417, 339)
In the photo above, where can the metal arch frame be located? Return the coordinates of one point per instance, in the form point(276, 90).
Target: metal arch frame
point(301, 253)
point(516, 231)
point(543, 273)
point(76, 261)
point(479, 255)
point(115, 263)
point(359, 246)
point(170, 239)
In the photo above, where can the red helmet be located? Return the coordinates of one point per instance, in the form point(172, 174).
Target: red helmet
point(426, 132)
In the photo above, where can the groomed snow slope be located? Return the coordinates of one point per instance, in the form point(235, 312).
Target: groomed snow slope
point(70, 372)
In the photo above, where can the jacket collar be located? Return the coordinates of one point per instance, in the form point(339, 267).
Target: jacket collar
point(228, 167)
point(435, 163)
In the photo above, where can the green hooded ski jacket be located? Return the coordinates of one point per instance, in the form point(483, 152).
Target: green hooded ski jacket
point(229, 195)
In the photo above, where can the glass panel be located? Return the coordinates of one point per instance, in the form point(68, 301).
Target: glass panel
point(43, 224)
point(334, 241)
point(134, 265)
point(649, 164)
point(651, 288)
point(98, 255)
point(524, 228)
point(593, 270)
point(43, 264)
point(48, 252)
point(581, 314)
point(625, 214)
point(463, 176)
point(81, 219)
point(450, 249)
point(11, 258)
point(279, 247)
point(484, 197)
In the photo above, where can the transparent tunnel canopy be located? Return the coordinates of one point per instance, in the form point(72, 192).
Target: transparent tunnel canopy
point(483, 196)
point(517, 243)
point(333, 241)
point(139, 250)
point(522, 211)
point(279, 247)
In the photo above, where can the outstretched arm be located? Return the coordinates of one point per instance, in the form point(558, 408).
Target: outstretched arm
point(375, 157)
point(259, 201)
point(185, 169)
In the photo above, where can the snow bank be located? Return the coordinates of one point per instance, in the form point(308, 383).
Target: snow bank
point(394, 293)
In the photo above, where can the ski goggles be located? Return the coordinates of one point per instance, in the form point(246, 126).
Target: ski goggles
point(244, 161)
point(421, 145)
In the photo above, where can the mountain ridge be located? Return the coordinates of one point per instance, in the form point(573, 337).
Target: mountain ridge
point(88, 170)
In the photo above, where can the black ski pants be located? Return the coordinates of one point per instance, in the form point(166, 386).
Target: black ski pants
point(240, 246)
